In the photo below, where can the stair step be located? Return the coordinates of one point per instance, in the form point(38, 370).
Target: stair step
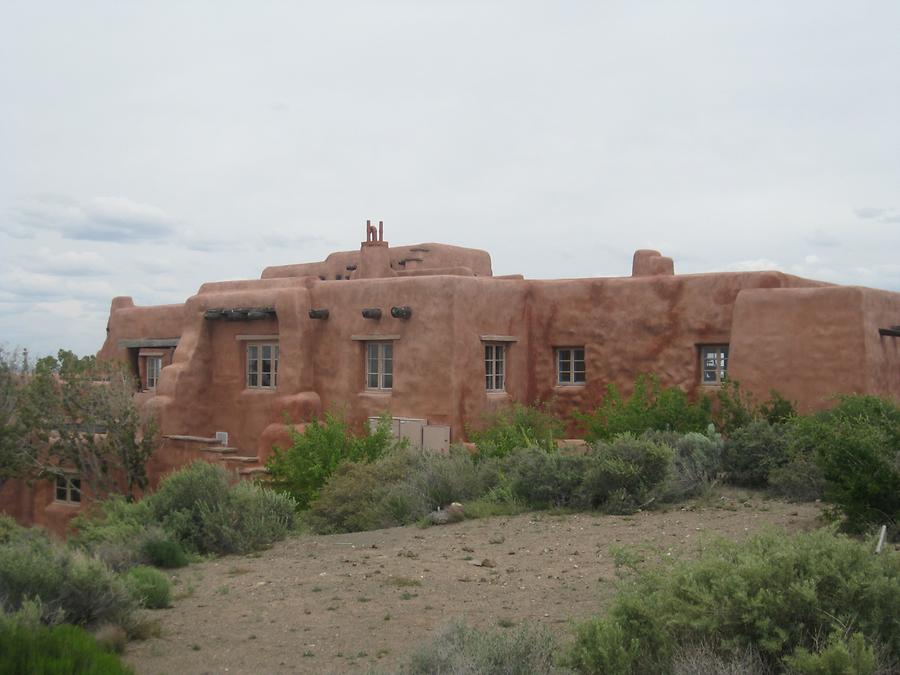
point(192, 439)
point(254, 471)
point(240, 458)
point(221, 450)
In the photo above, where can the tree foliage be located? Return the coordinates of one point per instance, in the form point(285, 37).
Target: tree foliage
point(72, 413)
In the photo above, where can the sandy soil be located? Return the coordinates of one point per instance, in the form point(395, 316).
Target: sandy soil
point(347, 603)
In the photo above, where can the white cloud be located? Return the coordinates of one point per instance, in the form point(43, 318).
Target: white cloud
point(114, 219)
point(756, 265)
point(879, 215)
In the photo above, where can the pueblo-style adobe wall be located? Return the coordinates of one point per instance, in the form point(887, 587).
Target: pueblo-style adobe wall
point(427, 334)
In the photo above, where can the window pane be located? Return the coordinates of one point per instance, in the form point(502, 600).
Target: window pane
point(372, 380)
point(387, 381)
point(266, 380)
point(579, 377)
point(75, 490)
point(61, 492)
point(579, 355)
point(252, 352)
point(267, 351)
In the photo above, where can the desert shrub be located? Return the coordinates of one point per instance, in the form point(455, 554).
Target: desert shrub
point(29, 647)
point(736, 408)
point(68, 582)
point(162, 551)
point(773, 594)
point(460, 650)
point(857, 446)
point(55, 650)
point(249, 518)
point(9, 529)
point(696, 462)
point(542, 480)
point(182, 497)
point(649, 407)
point(703, 659)
point(453, 477)
point(801, 479)
point(203, 511)
point(123, 534)
point(753, 451)
point(303, 468)
point(367, 496)
point(399, 488)
point(517, 426)
point(841, 654)
point(624, 473)
point(149, 587)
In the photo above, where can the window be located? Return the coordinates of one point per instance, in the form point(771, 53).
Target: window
point(262, 366)
point(494, 367)
point(570, 365)
point(68, 489)
point(153, 366)
point(713, 363)
point(379, 365)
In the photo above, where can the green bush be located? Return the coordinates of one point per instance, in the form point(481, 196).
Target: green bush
point(161, 551)
point(68, 582)
point(251, 517)
point(367, 496)
point(399, 488)
point(543, 480)
point(457, 476)
point(753, 451)
point(514, 427)
point(774, 594)
point(149, 587)
point(124, 534)
point(736, 408)
point(857, 446)
point(28, 647)
point(460, 650)
point(9, 529)
point(650, 407)
point(840, 655)
point(183, 496)
point(800, 480)
point(315, 453)
point(203, 511)
point(56, 650)
point(696, 465)
point(405, 485)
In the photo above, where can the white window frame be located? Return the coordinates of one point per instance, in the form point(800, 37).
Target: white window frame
point(713, 364)
point(379, 365)
point(67, 489)
point(495, 366)
point(255, 372)
point(154, 371)
point(567, 367)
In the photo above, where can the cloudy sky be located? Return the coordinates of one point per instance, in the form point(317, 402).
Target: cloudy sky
point(146, 147)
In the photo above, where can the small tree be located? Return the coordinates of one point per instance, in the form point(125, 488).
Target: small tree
point(77, 413)
point(12, 462)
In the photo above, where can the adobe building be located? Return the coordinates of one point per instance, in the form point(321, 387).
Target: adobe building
point(427, 334)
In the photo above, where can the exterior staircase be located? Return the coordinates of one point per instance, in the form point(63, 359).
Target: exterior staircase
point(212, 450)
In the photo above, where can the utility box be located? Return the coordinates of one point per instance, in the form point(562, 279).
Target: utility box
point(411, 430)
point(436, 438)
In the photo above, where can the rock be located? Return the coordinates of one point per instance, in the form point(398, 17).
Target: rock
point(452, 514)
point(487, 562)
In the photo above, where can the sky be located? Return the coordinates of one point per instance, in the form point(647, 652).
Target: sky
point(147, 147)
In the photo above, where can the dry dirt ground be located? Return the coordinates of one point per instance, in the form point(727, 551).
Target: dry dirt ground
point(349, 603)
